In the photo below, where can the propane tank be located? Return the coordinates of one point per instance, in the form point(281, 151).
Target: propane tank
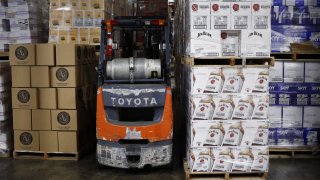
point(139, 68)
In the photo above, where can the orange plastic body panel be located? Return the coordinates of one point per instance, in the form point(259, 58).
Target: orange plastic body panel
point(155, 132)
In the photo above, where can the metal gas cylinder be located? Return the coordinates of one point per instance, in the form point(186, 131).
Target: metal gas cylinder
point(133, 68)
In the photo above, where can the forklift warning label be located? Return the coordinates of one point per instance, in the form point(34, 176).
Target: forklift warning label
point(134, 95)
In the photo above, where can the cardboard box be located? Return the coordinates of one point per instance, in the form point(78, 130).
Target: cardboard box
point(311, 117)
point(88, 18)
point(46, 54)
point(56, 18)
point(73, 36)
point(49, 141)
point(65, 120)
point(54, 35)
point(21, 119)
point(255, 43)
point(312, 74)
point(200, 15)
point(63, 36)
point(67, 17)
point(293, 72)
point(240, 15)
point(70, 98)
point(21, 76)
point(292, 117)
point(65, 76)
point(84, 34)
point(205, 43)
point(26, 140)
point(40, 76)
point(230, 42)
point(24, 98)
point(276, 72)
point(95, 34)
point(275, 116)
point(68, 54)
point(261, 16)
point(201, 159)
point(78, 18)
point(22, 54)
point(224, 156)
point(220, 15)
point(68, 141)
point(41, 119)
point(48, 98)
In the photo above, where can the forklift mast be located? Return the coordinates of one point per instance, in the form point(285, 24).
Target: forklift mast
point(120, 38)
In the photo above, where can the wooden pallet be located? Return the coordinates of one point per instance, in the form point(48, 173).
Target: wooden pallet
point(297, 56)
point(224, 175)
point(283, 153)
point(229, 61)
point(46, 155)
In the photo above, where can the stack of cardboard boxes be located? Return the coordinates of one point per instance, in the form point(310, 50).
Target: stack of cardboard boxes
point(227, 118)
point(52, 96)
point(6, 132)
point(294, 104)
point(79, 21)
point(225, 28)
point(23, 21)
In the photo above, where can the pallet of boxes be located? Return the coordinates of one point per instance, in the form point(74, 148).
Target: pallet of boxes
point(294, 108)
point(53, 90)
point(224, 82)
point(6, 133)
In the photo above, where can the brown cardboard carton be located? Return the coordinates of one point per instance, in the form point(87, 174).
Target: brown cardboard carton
point(67, 16)
point(22, 54)
point(21, 76)
point(46, 54)
point(63, 36)
point(65, 120)
point(73, 35)
point(68, 141)
point(68, 54)
point(21, 119)
point(47, 98)
point(95, 35)
point(24, 98)
point(84, 34)
point(75, 4)
point(65, 76)
point(26, 140)
point(70, 98)
point(54, 35)
point(41, 119)
point(97, 4)
point(40, 76)
point(78, 17)
point(84, 4)
point(49, 141)
point(54, 4)
point(56, 18)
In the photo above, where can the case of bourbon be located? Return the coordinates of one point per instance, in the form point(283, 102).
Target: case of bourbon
point(201, 159)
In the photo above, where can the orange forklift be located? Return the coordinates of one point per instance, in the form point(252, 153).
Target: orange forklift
point(134, 118)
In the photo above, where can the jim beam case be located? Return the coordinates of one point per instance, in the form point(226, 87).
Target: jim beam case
point(207, 80)
point(214, 82)
point(201, 160)
point(234, 134)
point(224, 158)
point(255, 133)
point(261, 110)
point(261, 161)
point(257, 80)
point(204, 107)
point(207, 133)
point(215, 134)
point(243, 160)
point(225, 108)
point(234, 80)
point(244, 108)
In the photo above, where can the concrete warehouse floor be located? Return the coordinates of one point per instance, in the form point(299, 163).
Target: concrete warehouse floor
point(85, 168)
